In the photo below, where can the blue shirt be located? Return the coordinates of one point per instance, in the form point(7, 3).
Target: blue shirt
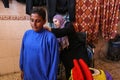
point(39, 55)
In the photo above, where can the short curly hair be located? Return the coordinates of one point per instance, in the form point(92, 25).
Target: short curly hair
point(40, 11)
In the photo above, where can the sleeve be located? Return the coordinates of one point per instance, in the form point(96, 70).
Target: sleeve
point(22, 53)
point(21, 56)
point(53, 44)
point(68, 29)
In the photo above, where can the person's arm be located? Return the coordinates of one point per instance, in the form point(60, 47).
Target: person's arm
point(22, 56)
point(21, 61)
point(54, 61)
point(67, 30)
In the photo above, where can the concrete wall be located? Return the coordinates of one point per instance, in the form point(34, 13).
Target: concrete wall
point(11, 32)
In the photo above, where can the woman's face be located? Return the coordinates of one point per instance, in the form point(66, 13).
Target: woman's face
point(36, 22)
point(56, 23)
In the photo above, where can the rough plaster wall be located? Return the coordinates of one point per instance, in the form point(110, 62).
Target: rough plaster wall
point(11, 32)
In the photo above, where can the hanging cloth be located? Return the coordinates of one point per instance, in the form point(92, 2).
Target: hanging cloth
point(109, 18)
point(6, 3)
point(87, 18)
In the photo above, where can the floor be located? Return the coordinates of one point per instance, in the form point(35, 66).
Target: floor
point(100, 61)
point(112, 67)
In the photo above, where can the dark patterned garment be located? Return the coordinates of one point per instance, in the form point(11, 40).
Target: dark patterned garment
point(97, 17)
point(87, 17)
point(109, 18)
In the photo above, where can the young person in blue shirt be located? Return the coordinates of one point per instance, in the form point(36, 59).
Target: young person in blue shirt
point(39, 56)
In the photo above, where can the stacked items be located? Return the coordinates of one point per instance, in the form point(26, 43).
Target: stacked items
point(99, 74)
point(81, 71)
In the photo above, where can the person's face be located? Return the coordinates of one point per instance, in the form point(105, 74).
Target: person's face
point(36, 22)
point(56, 23)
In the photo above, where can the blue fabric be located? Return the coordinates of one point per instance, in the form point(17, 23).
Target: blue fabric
point(39, 55)
point(90, 52)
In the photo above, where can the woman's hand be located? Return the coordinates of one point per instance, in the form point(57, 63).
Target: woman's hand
point(48, 28)
point(22, 75)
